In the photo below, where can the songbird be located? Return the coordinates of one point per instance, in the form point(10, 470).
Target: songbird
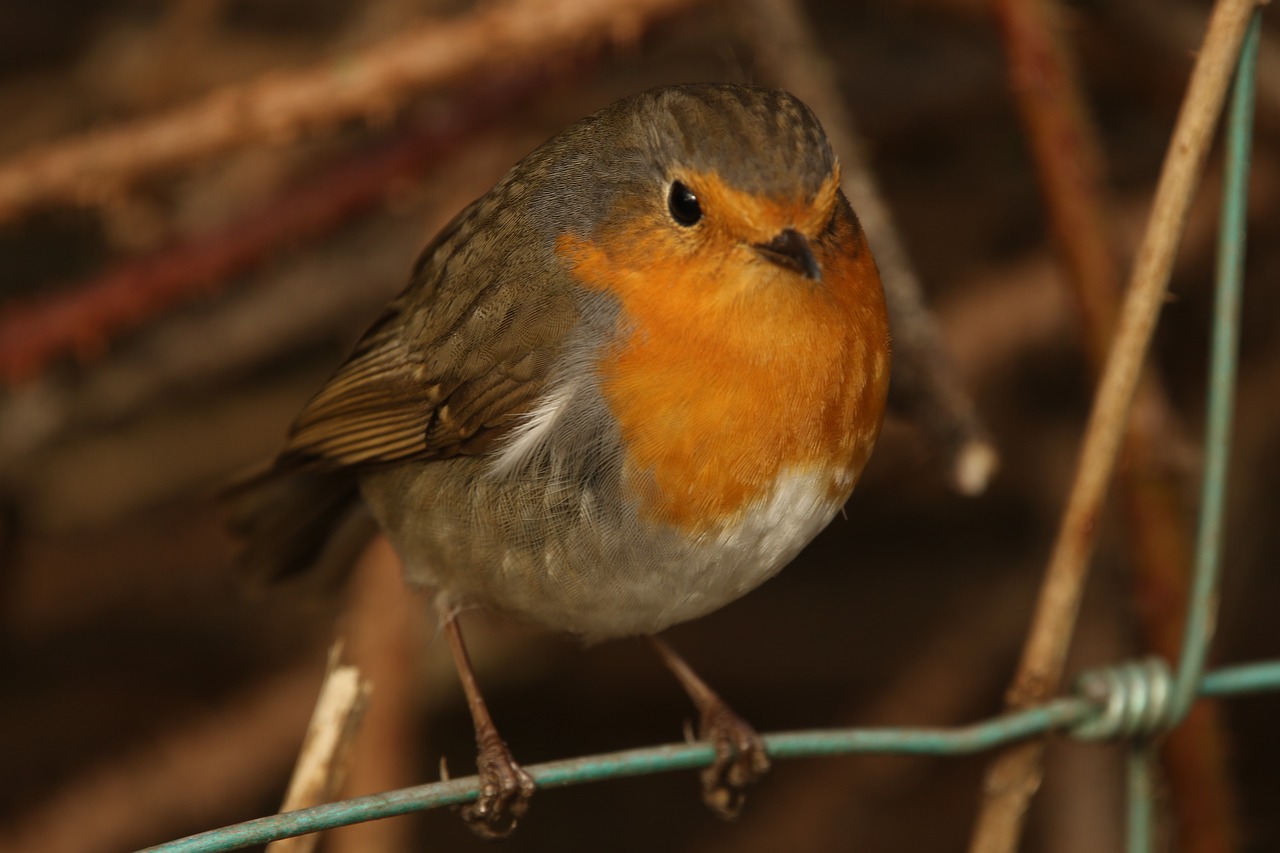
point(622, 388)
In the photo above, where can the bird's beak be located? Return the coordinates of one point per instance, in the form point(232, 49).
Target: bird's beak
point(791, 249)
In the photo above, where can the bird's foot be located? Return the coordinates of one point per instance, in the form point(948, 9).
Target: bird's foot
point(741, 758)
point(505, 789)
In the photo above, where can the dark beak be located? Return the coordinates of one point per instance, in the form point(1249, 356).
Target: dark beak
point(791, 249)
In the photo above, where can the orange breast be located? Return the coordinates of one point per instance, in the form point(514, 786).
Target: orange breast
point(729, 371)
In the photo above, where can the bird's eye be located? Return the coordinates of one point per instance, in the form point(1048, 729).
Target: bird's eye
point(683, 205)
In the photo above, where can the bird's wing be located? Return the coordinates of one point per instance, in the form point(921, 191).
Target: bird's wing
point(444, 371)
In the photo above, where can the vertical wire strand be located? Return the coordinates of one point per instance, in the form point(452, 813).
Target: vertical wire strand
point(1224, 348)
point(1201, 614)
point(1141, 795)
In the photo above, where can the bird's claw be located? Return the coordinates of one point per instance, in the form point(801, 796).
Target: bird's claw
point(741, 758)
point(505, 789)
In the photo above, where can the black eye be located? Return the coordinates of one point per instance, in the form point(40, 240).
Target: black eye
point(683, 205)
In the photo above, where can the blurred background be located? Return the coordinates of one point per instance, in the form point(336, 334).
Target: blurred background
point(166, 320)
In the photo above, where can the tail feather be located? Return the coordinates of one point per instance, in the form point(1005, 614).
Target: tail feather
point(304, 527)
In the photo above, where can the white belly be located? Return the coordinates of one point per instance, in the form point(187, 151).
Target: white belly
point(578, 561)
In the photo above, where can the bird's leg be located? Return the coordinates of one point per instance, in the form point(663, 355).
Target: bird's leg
point(741, 757)
point(505, 788)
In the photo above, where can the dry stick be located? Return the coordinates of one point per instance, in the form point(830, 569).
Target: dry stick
point(924, 378)
point(1070, 169)
point(1014, 776)
point(322, 761)
point(278, 107)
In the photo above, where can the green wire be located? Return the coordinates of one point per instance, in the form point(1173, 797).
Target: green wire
point(1246, 678)
point(1222, 378)
point(1141, 797)
point(1057, 714)
point(1202, 608)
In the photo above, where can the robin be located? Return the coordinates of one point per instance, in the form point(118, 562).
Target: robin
point(622, 388)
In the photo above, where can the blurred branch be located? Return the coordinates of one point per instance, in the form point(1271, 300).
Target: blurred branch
point(310, 298)
point(1015, 775)
point(994, 320)
point(1070, 168)
point(385, 625)
point(924, 380)
point(84, 317)
point(81, 319)
point(221, 764)
point(372, 83)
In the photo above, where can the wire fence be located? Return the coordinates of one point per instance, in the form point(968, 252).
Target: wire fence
point(1116, 702)
point(1135, 701)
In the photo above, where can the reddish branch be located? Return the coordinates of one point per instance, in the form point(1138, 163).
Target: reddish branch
point(372, 83)
point(81, 320)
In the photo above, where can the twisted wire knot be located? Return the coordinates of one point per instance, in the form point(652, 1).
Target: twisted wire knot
point(1134, 699)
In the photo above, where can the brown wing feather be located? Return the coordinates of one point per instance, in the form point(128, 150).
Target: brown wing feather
point(374, 409)
point(443, 372)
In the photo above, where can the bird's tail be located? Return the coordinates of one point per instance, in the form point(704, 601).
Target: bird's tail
point(306, 527)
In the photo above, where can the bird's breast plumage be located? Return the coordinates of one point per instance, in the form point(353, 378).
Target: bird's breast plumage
point(726, 375)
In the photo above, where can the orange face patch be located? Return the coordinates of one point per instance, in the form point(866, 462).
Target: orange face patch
point(730, 370)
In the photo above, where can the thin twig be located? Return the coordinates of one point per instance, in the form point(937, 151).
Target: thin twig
point(1013, 778)
point(372, 83)
point(924, 378)
point(322, 761)
point(1070, 168)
